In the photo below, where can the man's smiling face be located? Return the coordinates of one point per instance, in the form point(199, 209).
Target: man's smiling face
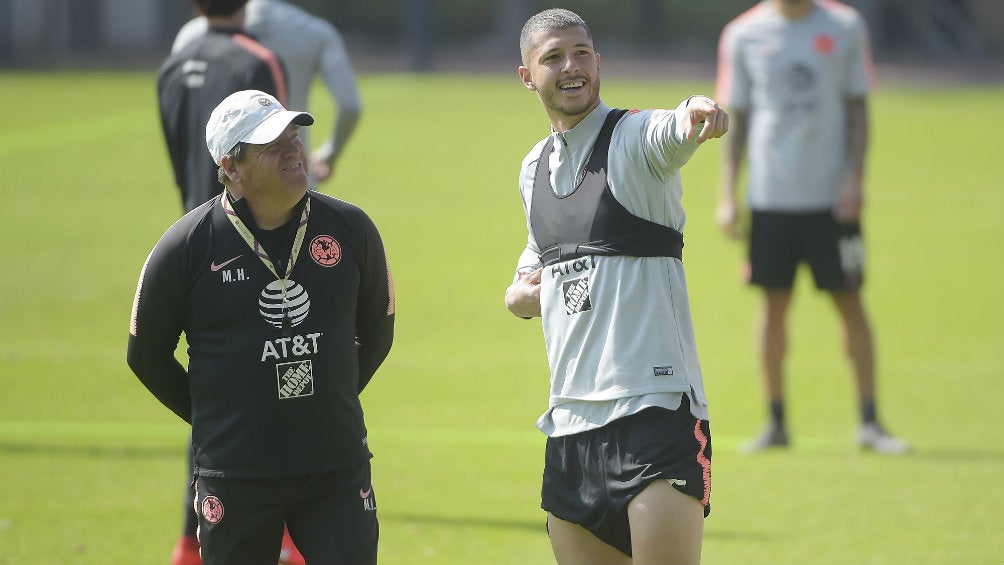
point(281, 163)
point(565, 71)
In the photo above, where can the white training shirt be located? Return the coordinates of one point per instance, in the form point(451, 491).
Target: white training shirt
point(307, 45)
point(794, 77)
point(635, 347)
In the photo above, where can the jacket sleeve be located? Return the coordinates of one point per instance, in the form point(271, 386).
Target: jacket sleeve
point(375, 309)
point(158, 318)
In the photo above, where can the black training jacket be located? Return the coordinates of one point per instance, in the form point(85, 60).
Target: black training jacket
point(264, 400)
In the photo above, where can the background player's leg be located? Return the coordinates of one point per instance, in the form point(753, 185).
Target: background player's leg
point(859, 345)
point(857, 341)
point(772, 346)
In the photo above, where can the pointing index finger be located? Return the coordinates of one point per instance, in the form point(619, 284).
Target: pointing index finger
point(709, 124)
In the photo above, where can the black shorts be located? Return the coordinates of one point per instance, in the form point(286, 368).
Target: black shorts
point(331, 518)
point(590, 477)
point(779, 241)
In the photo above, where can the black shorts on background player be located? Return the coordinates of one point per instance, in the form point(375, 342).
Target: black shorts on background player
point(779, 241)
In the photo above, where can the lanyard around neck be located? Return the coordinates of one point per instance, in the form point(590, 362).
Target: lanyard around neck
point(259, 249)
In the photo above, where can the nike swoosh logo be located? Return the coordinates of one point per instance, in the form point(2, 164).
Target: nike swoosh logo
point(365, 493)
point(214, 267)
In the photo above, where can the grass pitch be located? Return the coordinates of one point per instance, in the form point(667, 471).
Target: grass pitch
point(91, 466)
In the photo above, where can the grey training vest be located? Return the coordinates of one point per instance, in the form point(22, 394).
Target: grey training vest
point(589, 220)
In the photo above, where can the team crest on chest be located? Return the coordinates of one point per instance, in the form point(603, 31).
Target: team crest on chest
point(325, 251)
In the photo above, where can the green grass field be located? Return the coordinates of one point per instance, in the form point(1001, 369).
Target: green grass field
point(91, 466)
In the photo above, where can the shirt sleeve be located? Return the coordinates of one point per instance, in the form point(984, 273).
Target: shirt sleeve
point(194, 28)
point(859, 73)
point(732, 84)
point(665, 146)
point(158, 318)
point(528, 262)
point(375, 310)
point(527, 172)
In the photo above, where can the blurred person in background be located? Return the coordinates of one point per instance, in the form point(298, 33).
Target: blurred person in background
point(192, 81)
point(308, 46)
point(795, 75)
point(627, 464)
point(276, 360)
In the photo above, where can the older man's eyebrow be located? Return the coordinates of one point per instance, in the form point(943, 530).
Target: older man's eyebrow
point(296, 130)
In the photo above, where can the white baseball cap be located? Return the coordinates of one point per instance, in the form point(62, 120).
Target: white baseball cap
point(249, 116)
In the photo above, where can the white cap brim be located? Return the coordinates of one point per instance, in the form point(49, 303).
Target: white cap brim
point(248, 116)
point(272, 126)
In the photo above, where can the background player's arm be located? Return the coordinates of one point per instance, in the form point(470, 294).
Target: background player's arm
point(851, 197)
point(340, 79)
point(727, 213)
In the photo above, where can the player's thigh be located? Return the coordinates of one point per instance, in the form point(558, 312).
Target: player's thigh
point(773, 249)
point(240, 521)
point(334, 521)
point(667, 526)
point(574, 545)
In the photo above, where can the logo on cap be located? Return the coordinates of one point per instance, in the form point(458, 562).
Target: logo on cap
point(264, 101)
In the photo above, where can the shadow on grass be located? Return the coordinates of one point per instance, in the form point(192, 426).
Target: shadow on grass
point(533, 525)
point(956, 455)
point(467, 521)
point(94, 451)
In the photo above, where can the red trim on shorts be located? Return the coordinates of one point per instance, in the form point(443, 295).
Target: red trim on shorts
point(703, 461)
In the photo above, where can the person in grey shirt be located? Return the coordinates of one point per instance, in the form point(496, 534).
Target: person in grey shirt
point(795, 74)
point(308, 46)
point(627, 463)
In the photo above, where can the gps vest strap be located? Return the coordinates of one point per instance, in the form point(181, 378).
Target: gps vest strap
point(589, 220)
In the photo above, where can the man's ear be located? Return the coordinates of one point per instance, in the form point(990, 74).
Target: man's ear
point(524, 75)
point(230, 168)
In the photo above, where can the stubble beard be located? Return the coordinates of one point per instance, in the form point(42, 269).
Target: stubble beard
point(574, 108)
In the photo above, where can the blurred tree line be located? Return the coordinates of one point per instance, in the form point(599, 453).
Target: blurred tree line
point(120, 32)
point(943, 28)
